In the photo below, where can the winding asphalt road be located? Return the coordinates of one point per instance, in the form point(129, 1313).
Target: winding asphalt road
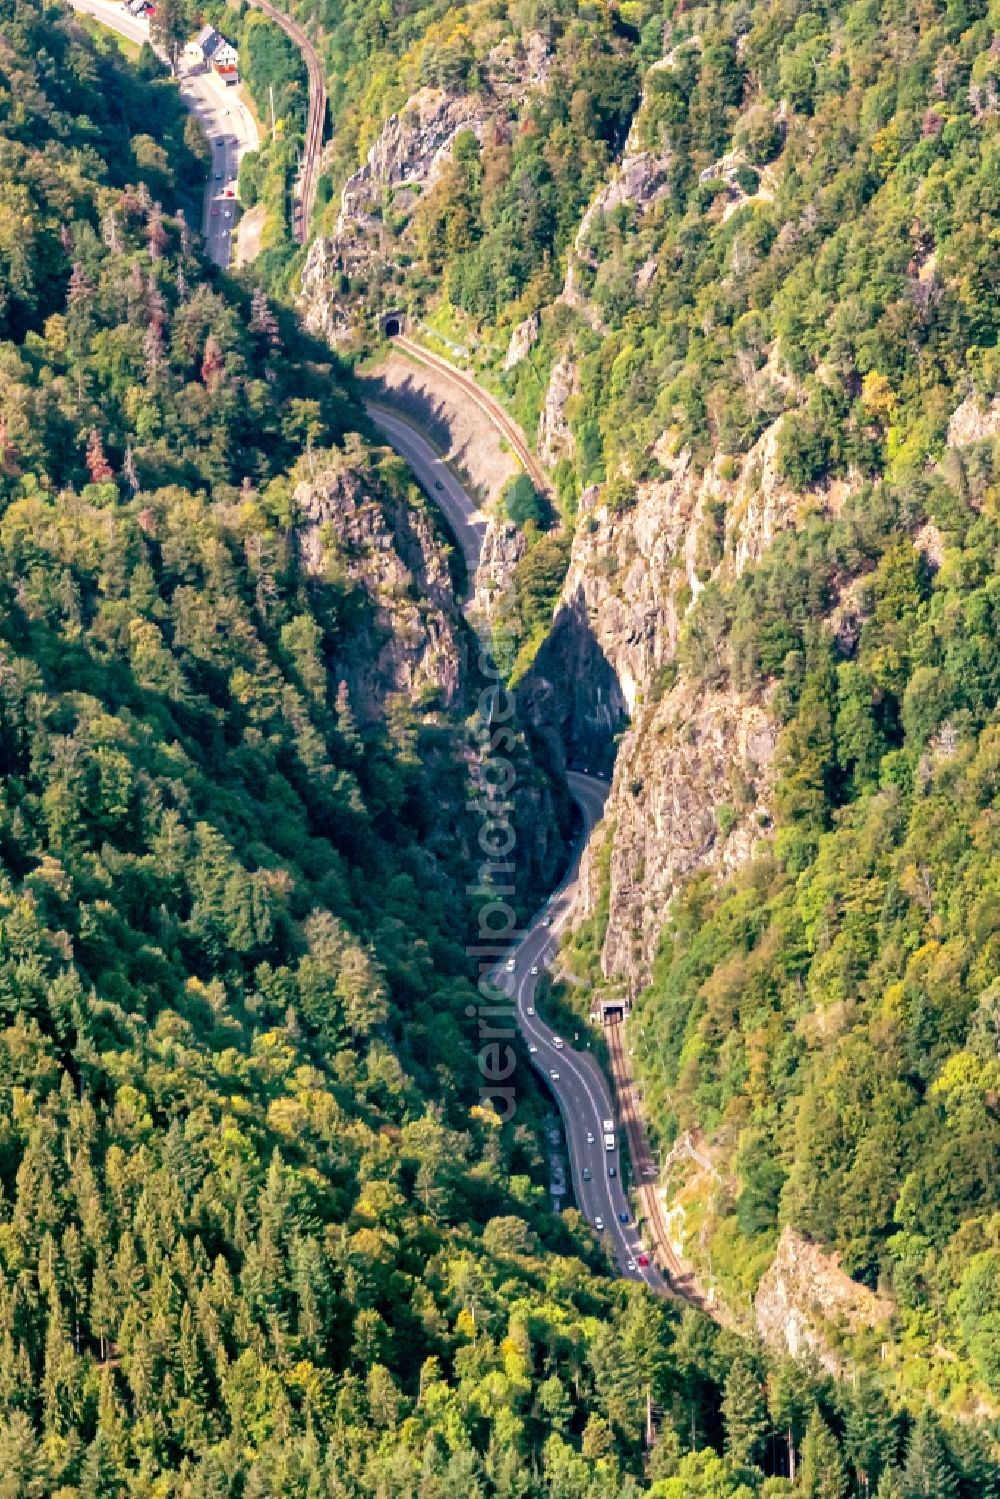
point(227, 122)
point(466, 523)
point(574, 1078)
point(580, 1088)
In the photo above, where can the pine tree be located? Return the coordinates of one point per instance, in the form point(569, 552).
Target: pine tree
point(744, 1412)
point(347, 723)
point(822, 1475)
point(597, 1441)
point(927, 1473)
point(870, 1439)
point(972, 1452)
point(24, 1469)
point(102, 1305)
point(100, 1477)
point(787, 1403)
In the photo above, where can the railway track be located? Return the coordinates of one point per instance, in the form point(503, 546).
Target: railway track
point(680, 1282)
point(302, 207)
point(487, 405)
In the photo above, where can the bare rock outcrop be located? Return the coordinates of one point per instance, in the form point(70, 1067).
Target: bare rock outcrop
point(555, 437)
point(692, 790)
point(403, 164)
point(522, 341)
point(804, 1298)
point(410, 645)
point(504, 545)
point(693, 777)
point(973, 421)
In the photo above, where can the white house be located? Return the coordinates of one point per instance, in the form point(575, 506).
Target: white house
point(217, 52)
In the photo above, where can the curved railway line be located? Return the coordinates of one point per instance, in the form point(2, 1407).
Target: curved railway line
point(679, 1281)
point(303, 205)
point(486, 404)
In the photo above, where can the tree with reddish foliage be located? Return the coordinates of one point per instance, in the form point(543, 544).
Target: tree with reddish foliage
point(80, 289)
point(263, 320)
point(212, 365)
point(156, 234)
point(97, 464)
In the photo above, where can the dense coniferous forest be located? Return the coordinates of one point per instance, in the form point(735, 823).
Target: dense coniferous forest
point(258, 1236)
point(807, 261)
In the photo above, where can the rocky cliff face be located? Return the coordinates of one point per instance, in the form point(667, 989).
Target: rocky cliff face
point(405, 643)
point(805, 1303)
point(408, 157)
point(693, 773)
point(555, 437)
point(503, 547)
point(411, 645)
point(692, 789)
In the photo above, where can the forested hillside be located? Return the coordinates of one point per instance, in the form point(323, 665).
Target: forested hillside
point(748, 254)
point(258, 1233)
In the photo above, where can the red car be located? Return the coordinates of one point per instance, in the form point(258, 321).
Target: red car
point(642, 1259)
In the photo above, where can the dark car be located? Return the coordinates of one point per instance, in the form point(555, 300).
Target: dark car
point(623, 1217)
point(642, 1259)
point(612, 1170)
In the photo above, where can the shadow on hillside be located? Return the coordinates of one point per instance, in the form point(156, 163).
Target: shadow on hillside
point(572, 696)
point(431, 416)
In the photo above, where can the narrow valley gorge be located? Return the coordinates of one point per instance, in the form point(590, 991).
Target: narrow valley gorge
point(499, 750)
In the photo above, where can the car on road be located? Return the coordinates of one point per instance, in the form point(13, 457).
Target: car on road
point(438, 484)
point(529, 1009)
point(229, 213)
point(532, 1048)
point(587, 1174)
point(590, 1137)
point(599, 1224)
point(215, 213)
point(218, 176)
point(230, 192)
point(510, 965)
point(643, 1259)
point(553, 1074)
point(547, 921)
point(630, 1264)
point(612, 1170)
point(623, 1217)
point(558, 1042)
